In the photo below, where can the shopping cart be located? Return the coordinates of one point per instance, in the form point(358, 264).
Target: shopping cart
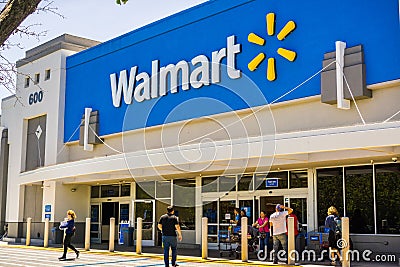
point(226, 241)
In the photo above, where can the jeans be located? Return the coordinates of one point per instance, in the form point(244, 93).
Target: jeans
point(67, 244)
point(169, 241)
point(279, 239)
point(264, 242)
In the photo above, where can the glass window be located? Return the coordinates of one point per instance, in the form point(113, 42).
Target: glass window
point(163, 189)
point(184, 192)
point(245, 182)
point(186, 217)
point(109, 190)
point(210, 211)
point(37, 78)
point(298, 179)
point(387, 179)
point(329, 192)
point(261, 180)
point(145, 190)
point(299, 206)
point(226, 207)
point(247, 205)
point(359, 200)
point(209, 184)
point(47, 74)
point(184, 202)
point(27, 80)
point(227, 183)
point(124, 212)
point(125, 190)
point(95, 191)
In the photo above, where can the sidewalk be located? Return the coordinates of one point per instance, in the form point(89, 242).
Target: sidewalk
point(194, 255)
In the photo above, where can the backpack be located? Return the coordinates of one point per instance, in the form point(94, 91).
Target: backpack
point(338, 228)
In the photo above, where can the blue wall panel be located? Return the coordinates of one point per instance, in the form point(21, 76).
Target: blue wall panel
point(204, 29)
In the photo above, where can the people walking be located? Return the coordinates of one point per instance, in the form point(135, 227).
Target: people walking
point(236, 220)
point(262, 224)
point(69, 225)
point(332, 222)
point(278, 222)
point(169, 227)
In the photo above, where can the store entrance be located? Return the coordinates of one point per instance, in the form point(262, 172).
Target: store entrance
point(297, 203)
point(268, 204)
point(108, 210)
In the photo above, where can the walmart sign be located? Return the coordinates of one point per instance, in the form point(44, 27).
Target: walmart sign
point(202, 74)
point(207, 53)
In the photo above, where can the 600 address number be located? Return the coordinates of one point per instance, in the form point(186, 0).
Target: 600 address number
point(35, 97)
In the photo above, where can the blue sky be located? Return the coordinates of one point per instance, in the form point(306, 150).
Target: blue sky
point(99, 20)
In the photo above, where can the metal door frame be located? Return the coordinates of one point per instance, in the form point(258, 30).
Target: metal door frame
point(95, 240)
point(146, 242)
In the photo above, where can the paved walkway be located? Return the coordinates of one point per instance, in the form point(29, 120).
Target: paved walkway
point(15, 255)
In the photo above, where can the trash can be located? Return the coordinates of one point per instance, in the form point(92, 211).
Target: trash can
point(128, 236)
point(123, 227)
point(57, 235)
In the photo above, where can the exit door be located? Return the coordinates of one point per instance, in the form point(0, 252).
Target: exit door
point(145, 209)
point(95, 224)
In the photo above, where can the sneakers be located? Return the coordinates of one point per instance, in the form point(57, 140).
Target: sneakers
point(62, 258)
point(77, 254)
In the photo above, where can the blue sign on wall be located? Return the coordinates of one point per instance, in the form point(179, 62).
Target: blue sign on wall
point(271, 182)
point(47, 216)
point(47, 208)
point(219, 33)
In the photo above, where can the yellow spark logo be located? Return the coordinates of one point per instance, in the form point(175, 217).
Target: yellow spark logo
point(255, 39)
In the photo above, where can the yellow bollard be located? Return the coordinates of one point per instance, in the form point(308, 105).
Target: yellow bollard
point(345, 242)
point(46, 233)
point(87, 234)
point(139, 231)
point(204, 238)
point(112, 235)
point(291, 250)
point(28, 231)
point(244, 243)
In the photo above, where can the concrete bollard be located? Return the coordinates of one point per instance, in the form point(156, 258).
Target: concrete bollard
point(345, 244)
point(204, 238)
point(139, 232)
point(46, 233)
point(87, 234)
point(28, 231)
point(244, 240)
point(112, 235)
point(291, 250)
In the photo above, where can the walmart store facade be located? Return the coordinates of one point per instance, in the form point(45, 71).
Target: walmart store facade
point(227, 104)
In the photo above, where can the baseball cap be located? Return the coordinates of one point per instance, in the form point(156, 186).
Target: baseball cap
point(279, 208)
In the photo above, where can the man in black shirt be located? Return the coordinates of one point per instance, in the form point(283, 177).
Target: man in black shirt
point(169, 225)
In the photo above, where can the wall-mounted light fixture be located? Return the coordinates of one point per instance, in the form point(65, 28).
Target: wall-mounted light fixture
point(73, 189)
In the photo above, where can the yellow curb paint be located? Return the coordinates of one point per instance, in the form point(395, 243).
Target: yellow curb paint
point(158, 256)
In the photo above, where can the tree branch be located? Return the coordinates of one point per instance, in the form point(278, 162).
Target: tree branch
point(13, 14)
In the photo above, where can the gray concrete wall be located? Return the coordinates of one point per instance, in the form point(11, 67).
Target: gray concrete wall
point(4, 149)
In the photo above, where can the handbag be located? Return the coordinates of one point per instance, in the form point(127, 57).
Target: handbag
point(263, 235)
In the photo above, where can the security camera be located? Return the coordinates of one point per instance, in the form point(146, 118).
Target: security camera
point(394, 159)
